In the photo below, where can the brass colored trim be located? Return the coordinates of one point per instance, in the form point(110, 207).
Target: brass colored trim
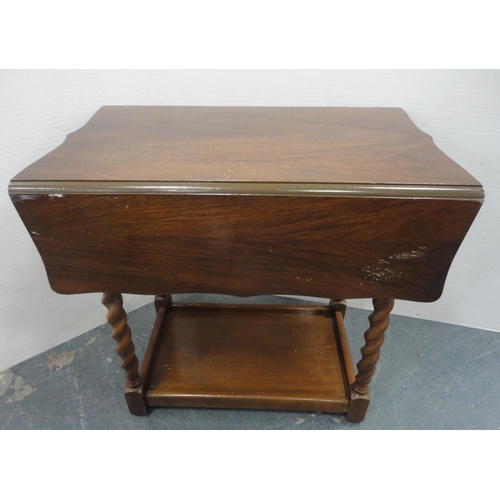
point(472, 193)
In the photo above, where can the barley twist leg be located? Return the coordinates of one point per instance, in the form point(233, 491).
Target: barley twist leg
point(117, 318)
point(370, 353)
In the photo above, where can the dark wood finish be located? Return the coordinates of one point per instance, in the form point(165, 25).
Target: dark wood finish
point(147, 364)
point(309, 145)
point(325, 202)
point(346, 353)
point(164, 301)
point(374, 338)
point(370, 353)
point(247, 356)
point(338, 305)
point(247, 245)
point(117, 318)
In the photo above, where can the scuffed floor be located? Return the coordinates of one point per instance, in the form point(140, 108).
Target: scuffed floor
point(430, 376)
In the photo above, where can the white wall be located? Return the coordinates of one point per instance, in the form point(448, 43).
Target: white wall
point(459, 109)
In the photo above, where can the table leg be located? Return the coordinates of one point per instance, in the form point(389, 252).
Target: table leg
point(117, 318)
point(163, 301)
point(338, 305)
point(370, 353)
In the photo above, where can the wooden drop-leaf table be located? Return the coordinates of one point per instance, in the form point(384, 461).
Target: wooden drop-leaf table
point(338, 203)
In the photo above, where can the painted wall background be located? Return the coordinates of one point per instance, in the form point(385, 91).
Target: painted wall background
point(460, 109)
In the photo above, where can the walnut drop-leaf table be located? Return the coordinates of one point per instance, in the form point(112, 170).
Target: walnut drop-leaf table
point(337, 203)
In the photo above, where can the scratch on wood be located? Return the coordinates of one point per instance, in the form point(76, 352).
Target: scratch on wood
point(382, 271)
point(419, 252)
point(24, 197)
point(376, 273)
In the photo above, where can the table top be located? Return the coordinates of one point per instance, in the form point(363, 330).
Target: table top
point(265, 149)
point(328, 202)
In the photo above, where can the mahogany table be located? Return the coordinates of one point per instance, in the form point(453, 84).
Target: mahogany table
point(337, 203)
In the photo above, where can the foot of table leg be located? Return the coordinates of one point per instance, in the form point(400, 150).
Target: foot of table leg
point(370, 353)
point(117, 318)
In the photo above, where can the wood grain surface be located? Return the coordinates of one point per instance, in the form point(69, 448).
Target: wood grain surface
point(249, 144)
point(247, 245)
point(322, 202)
point(264, 357)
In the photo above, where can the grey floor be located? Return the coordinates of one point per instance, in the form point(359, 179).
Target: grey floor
point(430, 376)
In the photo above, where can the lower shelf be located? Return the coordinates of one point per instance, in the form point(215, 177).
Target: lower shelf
point(247, 356)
